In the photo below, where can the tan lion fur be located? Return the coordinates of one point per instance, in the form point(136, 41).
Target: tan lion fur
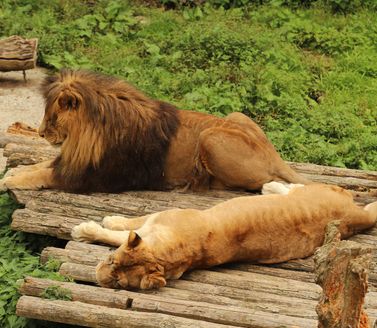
point(114, 138)
point(264, 229)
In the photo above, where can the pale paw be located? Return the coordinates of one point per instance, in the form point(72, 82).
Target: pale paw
point(86, 232)
point(275, 188)
point(113, 222)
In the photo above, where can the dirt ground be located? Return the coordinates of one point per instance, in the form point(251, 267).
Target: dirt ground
point(19, 100)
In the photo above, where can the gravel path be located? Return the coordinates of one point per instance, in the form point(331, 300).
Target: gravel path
point(20, 101)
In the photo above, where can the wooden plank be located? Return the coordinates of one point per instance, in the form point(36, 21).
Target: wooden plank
point(224, 314)
point(88, 315)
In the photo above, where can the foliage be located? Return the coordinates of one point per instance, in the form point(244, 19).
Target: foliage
point(57, 293)
point(18, 258)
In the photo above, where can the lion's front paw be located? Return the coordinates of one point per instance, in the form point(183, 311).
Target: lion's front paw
point(113, 222)
point(16, 170)
point(86, 232)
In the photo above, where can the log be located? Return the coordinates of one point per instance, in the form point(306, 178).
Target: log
point(78, 313)
point(220, 277)
point(206, 292)
point(363, 183)
point(75, 252)
point(224, 314)
point(56, 213)
point(342, 272)
point(17, 53)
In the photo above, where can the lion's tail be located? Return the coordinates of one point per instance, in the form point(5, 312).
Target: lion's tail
point(287, 174)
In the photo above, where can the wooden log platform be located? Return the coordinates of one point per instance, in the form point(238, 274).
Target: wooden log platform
point(234, 295)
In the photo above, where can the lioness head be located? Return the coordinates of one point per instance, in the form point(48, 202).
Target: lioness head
point(132, 265)
point(63, 100)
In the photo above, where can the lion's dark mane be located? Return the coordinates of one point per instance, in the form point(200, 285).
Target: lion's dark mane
point(134, 132)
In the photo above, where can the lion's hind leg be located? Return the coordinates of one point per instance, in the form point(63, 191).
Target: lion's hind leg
point(122, 223)
point(230, 159)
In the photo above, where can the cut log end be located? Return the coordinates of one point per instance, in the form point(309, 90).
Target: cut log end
point(341, 269)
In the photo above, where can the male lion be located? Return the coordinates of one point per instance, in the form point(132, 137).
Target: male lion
point(264, 229)
point(114, 138)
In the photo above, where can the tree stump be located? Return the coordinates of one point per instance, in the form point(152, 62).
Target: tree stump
point(18, 54)
point(341, 269)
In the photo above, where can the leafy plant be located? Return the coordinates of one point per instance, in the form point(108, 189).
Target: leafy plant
point(57, 293)
point(18, 258)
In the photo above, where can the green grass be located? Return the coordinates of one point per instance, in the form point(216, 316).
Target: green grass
point(19, 257)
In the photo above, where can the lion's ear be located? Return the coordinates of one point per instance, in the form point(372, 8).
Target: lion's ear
point(133, 239)
point(68, 101)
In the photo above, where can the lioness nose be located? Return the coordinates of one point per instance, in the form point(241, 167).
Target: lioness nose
point(41, 133)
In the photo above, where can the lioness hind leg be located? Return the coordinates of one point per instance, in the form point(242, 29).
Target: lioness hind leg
point(236, 159)
point(123, 223)
point(359, 219)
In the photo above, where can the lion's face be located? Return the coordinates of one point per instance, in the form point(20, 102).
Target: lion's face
point(60, 115)
point(132, 265)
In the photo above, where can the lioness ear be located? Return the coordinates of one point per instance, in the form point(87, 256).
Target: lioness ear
point(68, 101)
point(133, 239)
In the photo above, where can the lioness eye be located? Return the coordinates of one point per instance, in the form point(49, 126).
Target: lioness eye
point(110, 260)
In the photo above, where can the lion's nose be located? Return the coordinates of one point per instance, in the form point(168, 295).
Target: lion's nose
point(41, 133)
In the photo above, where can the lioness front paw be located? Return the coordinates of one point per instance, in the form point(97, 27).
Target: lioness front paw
point(86, 232)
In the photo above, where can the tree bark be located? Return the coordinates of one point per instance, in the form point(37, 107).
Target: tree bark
point(342, 272)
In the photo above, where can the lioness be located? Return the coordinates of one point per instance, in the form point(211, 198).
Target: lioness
point(114, 138)
point(263, 229)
